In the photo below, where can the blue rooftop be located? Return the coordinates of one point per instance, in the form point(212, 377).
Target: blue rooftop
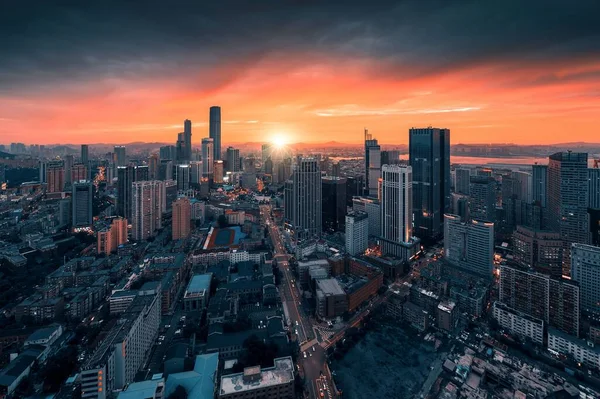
point(199, 283)
point(199, 383)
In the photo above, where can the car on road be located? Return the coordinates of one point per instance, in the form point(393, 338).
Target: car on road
point(178, 332)
point(304, 353)
point(296, 322)
point(167, 326)
point(314, 350)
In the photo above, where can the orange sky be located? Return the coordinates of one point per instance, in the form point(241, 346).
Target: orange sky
point(316, 99)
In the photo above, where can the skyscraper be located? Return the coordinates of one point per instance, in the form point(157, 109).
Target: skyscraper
point(304, 205)
point(69, 162)
point(538, 249)
point(233, 159)
point(82, 203)
point(187, 139)
point(208, 155)
point(141, 172)
point(585, 261)
point(265, 153)
point(469, 245)
point(568, 197)
point(85, 156)
point(594, 188)
point(218, 172)
point(357, 232)
point(396, 211)
point(463, 180)
point(195, 173)
point(372, 147)
point(165, 169)
point(539, 177)
point(146, 208)
point(181, 218)
point(55, 177)
point(153, 163)
point(334, 203)
point(79, 172)
point(125, 179)
point(167, 152)
point(120, 155)
point(183, 177)
point(215, 131)
point(482, 198)
point(429, 157)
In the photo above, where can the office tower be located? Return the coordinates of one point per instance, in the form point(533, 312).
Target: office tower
point(482, 202)
point(125, 179)
point(460, 205)
point(79, 172)
point(463, 181)
point(372, 208)
point(69, 161)
point(42, 171)
point(195, 173)
point(169, 195)
point(233, 159)
point(85, 155)
point(539, 177)
point(120, 156)
point(519, 186)
point(585, 267)
point(429, 157)
point(165, 170)
point(167, 152)
point(266, 149)
point(333, 191)
point(469, 245)
point(183, 177)
point(82, 203)
point(180, 148)
point(305, 199)
point(153, 166)
point(568, 197)
point(390, 157)
point(182, 209)
point(396, 211)
point(215, 132)
point(354, 188)
point(538, 249)
point(554, 300)
point(141, 172)
point(594, 188)
point(208, 154)
point(268, 167)
point(375, 164)
point(146, 208)
point(55, 177)
point(357, 232)
point(187, 139)
point(218, 172)
point(336, 170)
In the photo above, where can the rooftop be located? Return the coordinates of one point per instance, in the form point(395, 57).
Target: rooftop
point(330, 286)
point(198, 284)
point(199, 383)
point(255, 378)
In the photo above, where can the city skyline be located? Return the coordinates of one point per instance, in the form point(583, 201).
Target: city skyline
point(529, 77)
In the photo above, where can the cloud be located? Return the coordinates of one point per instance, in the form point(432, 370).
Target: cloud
point(355, 110)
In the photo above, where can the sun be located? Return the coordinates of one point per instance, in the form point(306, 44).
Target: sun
point(279, 141)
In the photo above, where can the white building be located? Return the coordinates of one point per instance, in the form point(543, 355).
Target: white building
point(207, 157)
point(372, 208)
point(275, 382)
point(469, 245)
point(519, 323)
point(585, 269)
point(357, 232)
point(582, 351)
point(147, 208)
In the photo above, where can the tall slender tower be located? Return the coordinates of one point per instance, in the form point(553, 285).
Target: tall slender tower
point(215, 131)
point(539, 183)
point(233, 159)
point(85, 155)
point(372, 164)
point(429, 157)
point(207, 156)
point(304, 213)
point(125, 179)
point(82, 203)
point(120, 155)
point(187, 139)
point(181, 218)
point(146, 208)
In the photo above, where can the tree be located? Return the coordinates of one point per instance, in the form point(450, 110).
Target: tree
point(178, 393)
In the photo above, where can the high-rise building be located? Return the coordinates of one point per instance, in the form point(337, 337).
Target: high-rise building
point(43, 165)
point(187, 140)
point(169, 195)
point(218, 172)
point(153, 167)
point(304, 205)
point(195, 173)
point(215, 131)
point(333, 191)
point(120, 155)
point(594, 188)
point(168, 152)
point(85, 155)
point(585, 267)
point(463, 181)
point(79, 172)
point(266, 152)
point(372, 208)
point(165, 169)
point(125, 179)
point(182, 210)
point(538, 249)
point(233, 159)
point(482, 198)
point(390, 157)
point(208, 154)
point(469, 245)
point(539, 185)
point(146, 208)
point(568, 198)
point(55, 177)
point(396, 211)
point(375, 164)
point(64, 212)
point(69, 162)
point(357, 232)
point(141, 173)
point(183, 177)
point(110, 238)
point(82, 199)
point(554, 300)
point(429, 157)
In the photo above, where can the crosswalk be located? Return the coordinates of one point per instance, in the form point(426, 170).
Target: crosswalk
point(326, 332)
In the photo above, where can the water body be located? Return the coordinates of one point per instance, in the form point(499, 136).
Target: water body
point(389, 362)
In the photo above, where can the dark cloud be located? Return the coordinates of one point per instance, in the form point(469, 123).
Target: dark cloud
point(44, 45)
